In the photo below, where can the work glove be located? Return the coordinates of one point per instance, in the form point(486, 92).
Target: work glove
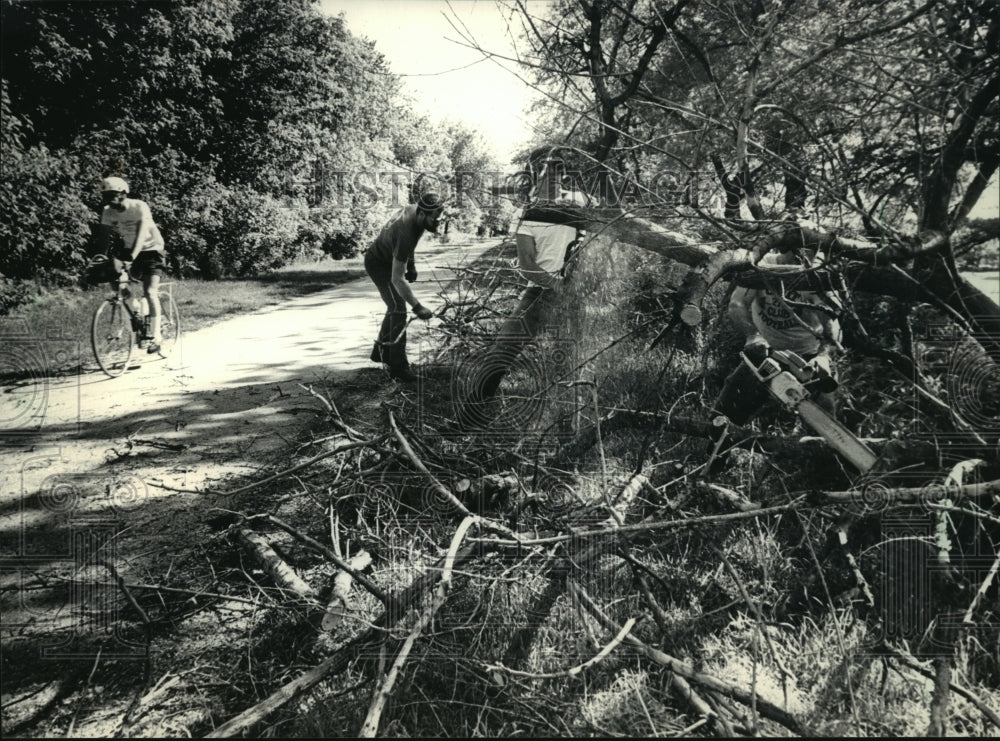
point(824, 381)
point(411, 272)
point(822, 365)
point(422, 312)
point(756, 349)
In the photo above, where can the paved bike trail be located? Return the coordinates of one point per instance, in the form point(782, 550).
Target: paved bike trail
point(226, 398)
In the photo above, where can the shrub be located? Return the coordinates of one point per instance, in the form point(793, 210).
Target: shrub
point(44, 224)
point(247, 233)
point(15, 293)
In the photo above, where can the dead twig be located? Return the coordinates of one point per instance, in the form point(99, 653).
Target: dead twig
point(853, 563)
point(438, 486)
point(370, 727)
point(910, 495)
point(305, 464)
point(572, 671)
point(981, 592)
point(397, 606)
point(194, 593)
point(767, 709)
point(335, 416)
point(755, 608)
point(990, 714)
point(727, 496)
point(645, 526)
point(178, 447)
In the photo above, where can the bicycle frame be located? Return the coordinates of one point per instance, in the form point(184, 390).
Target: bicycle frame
point(113, 339)
point(122, 297)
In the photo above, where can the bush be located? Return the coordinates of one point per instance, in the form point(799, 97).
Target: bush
point(247, 233)
point(15, 293)
point(44, 224)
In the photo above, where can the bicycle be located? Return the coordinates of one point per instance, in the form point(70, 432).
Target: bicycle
point(121, 322)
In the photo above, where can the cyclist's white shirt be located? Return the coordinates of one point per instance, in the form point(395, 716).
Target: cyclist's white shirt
point(126, 223)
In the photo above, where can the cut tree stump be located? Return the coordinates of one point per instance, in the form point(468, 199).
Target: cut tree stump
point(339, 604)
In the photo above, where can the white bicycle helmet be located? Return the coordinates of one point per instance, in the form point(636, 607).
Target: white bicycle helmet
point(114, 184)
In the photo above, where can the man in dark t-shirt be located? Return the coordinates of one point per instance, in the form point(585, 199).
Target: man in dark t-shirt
point(389, 263)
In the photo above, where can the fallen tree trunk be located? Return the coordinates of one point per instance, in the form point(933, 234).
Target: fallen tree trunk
point(623, 227)
point(867, 257)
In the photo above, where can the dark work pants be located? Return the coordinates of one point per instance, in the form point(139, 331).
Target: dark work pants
point(386, 350)
point(519, 329)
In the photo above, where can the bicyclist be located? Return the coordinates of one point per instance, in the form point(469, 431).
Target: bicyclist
point(133, 221)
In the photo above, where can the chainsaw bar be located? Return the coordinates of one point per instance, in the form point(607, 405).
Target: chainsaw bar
point(836, 435)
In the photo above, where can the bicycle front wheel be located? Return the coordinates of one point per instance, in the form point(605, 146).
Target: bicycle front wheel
point(111, 337)
point(170, 324)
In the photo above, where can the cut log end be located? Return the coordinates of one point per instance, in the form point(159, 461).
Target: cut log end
point(691, 315)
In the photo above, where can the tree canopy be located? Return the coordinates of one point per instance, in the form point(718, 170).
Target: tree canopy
point(255, 130)
point(877, 121)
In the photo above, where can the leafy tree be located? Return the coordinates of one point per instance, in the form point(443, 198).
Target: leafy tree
point(197, 103)
point(882, 119)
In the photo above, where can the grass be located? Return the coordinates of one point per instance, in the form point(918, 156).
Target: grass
point(709, 613)
point(56, 325)
point(817, 660)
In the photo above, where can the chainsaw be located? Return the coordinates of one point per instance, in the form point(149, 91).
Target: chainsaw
point(791, 379)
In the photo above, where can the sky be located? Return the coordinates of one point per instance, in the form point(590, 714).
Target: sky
point(447, 78)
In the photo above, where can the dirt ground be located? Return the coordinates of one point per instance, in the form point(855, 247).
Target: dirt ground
point(119, 478)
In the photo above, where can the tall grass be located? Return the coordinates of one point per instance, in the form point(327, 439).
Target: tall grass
point(763, 605)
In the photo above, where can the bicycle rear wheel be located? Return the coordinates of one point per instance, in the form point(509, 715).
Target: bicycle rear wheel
point(170, 324)
point(111, 337)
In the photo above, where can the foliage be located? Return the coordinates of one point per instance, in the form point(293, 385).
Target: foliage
point(247, 233)
point(210, 109)
point(42, 217)
point(860, 107)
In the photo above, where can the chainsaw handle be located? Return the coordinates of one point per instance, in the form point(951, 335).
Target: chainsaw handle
point(815, 378)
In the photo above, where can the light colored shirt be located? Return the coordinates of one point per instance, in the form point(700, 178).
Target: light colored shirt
point(551, 240)
point(550, 243)
point(788, 325)
point(127, 222)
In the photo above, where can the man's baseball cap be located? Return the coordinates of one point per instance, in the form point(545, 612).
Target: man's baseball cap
point(114, 185)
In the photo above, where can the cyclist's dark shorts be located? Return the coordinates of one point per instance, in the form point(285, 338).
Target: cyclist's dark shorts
point(150, 263)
